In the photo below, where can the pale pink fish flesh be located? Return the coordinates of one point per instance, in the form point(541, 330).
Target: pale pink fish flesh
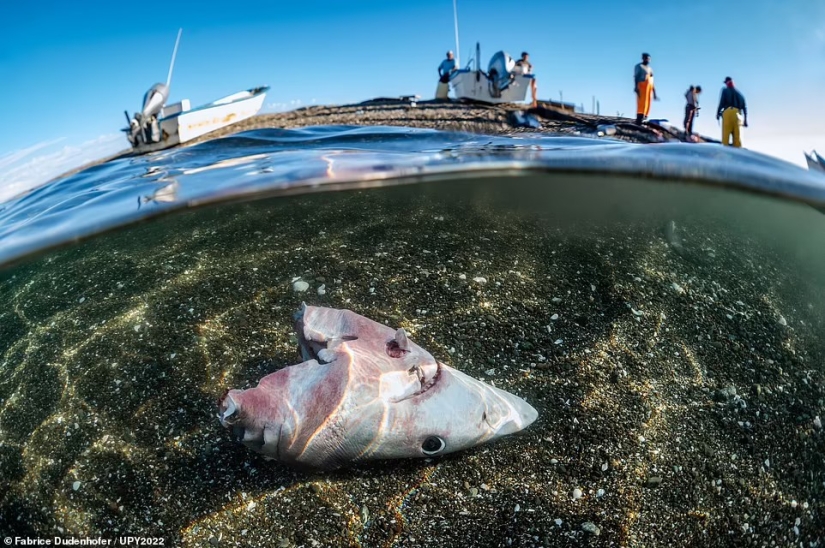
point(366, 391)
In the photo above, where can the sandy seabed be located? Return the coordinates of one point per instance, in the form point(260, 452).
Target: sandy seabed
point(678, 376)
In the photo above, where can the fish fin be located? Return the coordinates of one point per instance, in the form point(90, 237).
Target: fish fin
point(402, 341)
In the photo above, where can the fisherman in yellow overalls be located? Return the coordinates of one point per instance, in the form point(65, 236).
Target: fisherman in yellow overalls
point(731, 103)
point(644, 88)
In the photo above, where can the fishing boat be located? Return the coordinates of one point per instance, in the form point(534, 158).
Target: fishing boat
point(158, 125)
point(177, 123)
point(815, 161)
point(502, 82)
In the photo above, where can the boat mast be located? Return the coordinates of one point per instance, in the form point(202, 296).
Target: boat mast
point(172, 64)
point(457, 49)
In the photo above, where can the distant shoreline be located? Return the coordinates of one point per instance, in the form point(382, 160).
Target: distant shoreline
point(440, 115)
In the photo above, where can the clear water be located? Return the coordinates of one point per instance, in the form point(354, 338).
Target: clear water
point(661, 306)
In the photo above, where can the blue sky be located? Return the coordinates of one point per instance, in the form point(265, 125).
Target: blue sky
point(69, 69)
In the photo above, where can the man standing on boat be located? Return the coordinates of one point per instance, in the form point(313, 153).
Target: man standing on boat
point(644, 88)
point(527, 68)
point(731, 103)
point(445, 70)
point(691, 108)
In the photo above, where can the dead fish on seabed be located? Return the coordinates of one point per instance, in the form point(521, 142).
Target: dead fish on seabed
point(366, 392)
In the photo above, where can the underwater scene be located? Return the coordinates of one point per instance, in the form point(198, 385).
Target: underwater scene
point(660, 308)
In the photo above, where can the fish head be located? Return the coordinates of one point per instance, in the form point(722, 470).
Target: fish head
point(452, 412)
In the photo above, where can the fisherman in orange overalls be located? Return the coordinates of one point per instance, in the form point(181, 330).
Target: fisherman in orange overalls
point(644, 88)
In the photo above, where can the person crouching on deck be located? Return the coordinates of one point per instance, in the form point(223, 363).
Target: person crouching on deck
point(644, 88)
point(731, 103)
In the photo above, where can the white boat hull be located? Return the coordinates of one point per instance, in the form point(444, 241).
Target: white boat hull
point(476, 86)
point(186, 125)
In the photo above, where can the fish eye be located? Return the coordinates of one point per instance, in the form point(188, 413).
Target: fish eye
point(433, 445)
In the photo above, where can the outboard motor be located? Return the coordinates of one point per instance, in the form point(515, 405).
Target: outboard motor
point(500, 72)
point(151, 130)
point(154, 100)
point(144, 127)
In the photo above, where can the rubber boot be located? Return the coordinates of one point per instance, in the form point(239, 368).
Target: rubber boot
point(639, 118)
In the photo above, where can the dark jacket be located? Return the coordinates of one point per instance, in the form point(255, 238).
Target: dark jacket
point(731, 98)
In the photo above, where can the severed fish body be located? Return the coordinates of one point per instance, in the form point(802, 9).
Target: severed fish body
point(365, 392)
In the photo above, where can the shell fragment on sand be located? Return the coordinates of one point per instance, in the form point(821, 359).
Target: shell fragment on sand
point(366, 391)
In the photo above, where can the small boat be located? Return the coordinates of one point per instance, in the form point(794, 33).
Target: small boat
point(815, 161)
point(503, 82)
point(175, 124)
point(158, 125)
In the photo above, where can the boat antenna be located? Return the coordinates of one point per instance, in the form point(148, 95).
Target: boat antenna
point(457, 49)
point(174, 54)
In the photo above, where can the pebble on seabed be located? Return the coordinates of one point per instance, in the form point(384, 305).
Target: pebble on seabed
point(299, 286)
point(590, 527)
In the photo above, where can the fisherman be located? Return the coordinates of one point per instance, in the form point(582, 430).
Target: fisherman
point(644, 88)
point(445, 70)
point(691, 108)
point(446, 67)
point(527, 68)
point(731, 103)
